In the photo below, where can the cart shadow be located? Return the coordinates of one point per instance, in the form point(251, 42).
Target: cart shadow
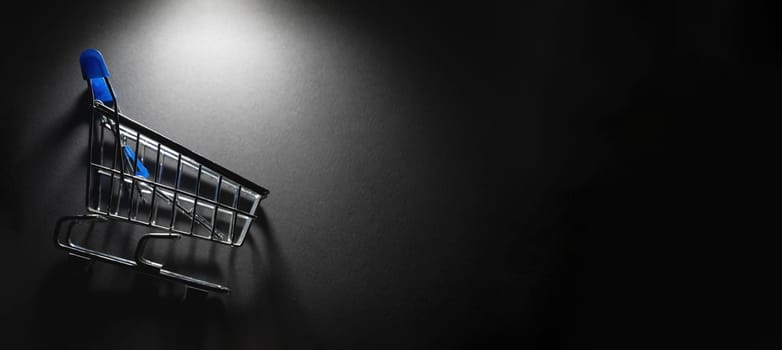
point(80, 317)
point(37, 158)
point(83, 307)
point(58, 134)
point(273, 289)
point(86, 305)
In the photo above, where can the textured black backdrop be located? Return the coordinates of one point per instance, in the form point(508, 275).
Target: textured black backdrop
point(546, 175)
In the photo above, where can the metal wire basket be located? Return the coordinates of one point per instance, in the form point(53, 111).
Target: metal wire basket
point(136, 175)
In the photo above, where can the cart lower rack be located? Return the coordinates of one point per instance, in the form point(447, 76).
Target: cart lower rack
point(138, 176)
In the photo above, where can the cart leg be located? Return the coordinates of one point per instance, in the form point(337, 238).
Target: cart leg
point(86, 256)
point(66, 243)
point(142, 244)
point(194, 285)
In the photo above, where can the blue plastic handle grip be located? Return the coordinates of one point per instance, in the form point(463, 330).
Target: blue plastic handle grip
point(94, 70)
point(141, 170)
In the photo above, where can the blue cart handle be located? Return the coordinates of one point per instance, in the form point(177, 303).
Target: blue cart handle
point(95, 72)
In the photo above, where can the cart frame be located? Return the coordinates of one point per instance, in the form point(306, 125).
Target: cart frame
point(127, 166)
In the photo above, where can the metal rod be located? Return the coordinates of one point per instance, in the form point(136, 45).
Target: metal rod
point(140, 265)
point(157, 164)
point(134, 169)
point(178, 178)
point(90, 156)
point(236, 207)
point(116, 135)
point(152, 208)
point(100, 149)
point(142, 223)
point(195, 201)
point(136, 161)
point(142, 244)
point(214, 214)
point(116, 145)
point(184, 151)
point(172, 189)
point(111, 194)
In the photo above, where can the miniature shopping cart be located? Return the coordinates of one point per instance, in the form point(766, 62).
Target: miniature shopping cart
point(138, 176)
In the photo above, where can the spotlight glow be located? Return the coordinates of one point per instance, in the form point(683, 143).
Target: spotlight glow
point(209, 42)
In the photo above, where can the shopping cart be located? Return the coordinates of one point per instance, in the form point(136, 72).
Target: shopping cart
point(138, 176)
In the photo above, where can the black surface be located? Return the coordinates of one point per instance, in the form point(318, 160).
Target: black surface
point(442, 175)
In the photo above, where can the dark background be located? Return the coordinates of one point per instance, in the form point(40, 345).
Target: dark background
point(458, 175)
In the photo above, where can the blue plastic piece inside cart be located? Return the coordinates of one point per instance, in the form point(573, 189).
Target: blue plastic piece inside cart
point(94, 70)
point(141, 170)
